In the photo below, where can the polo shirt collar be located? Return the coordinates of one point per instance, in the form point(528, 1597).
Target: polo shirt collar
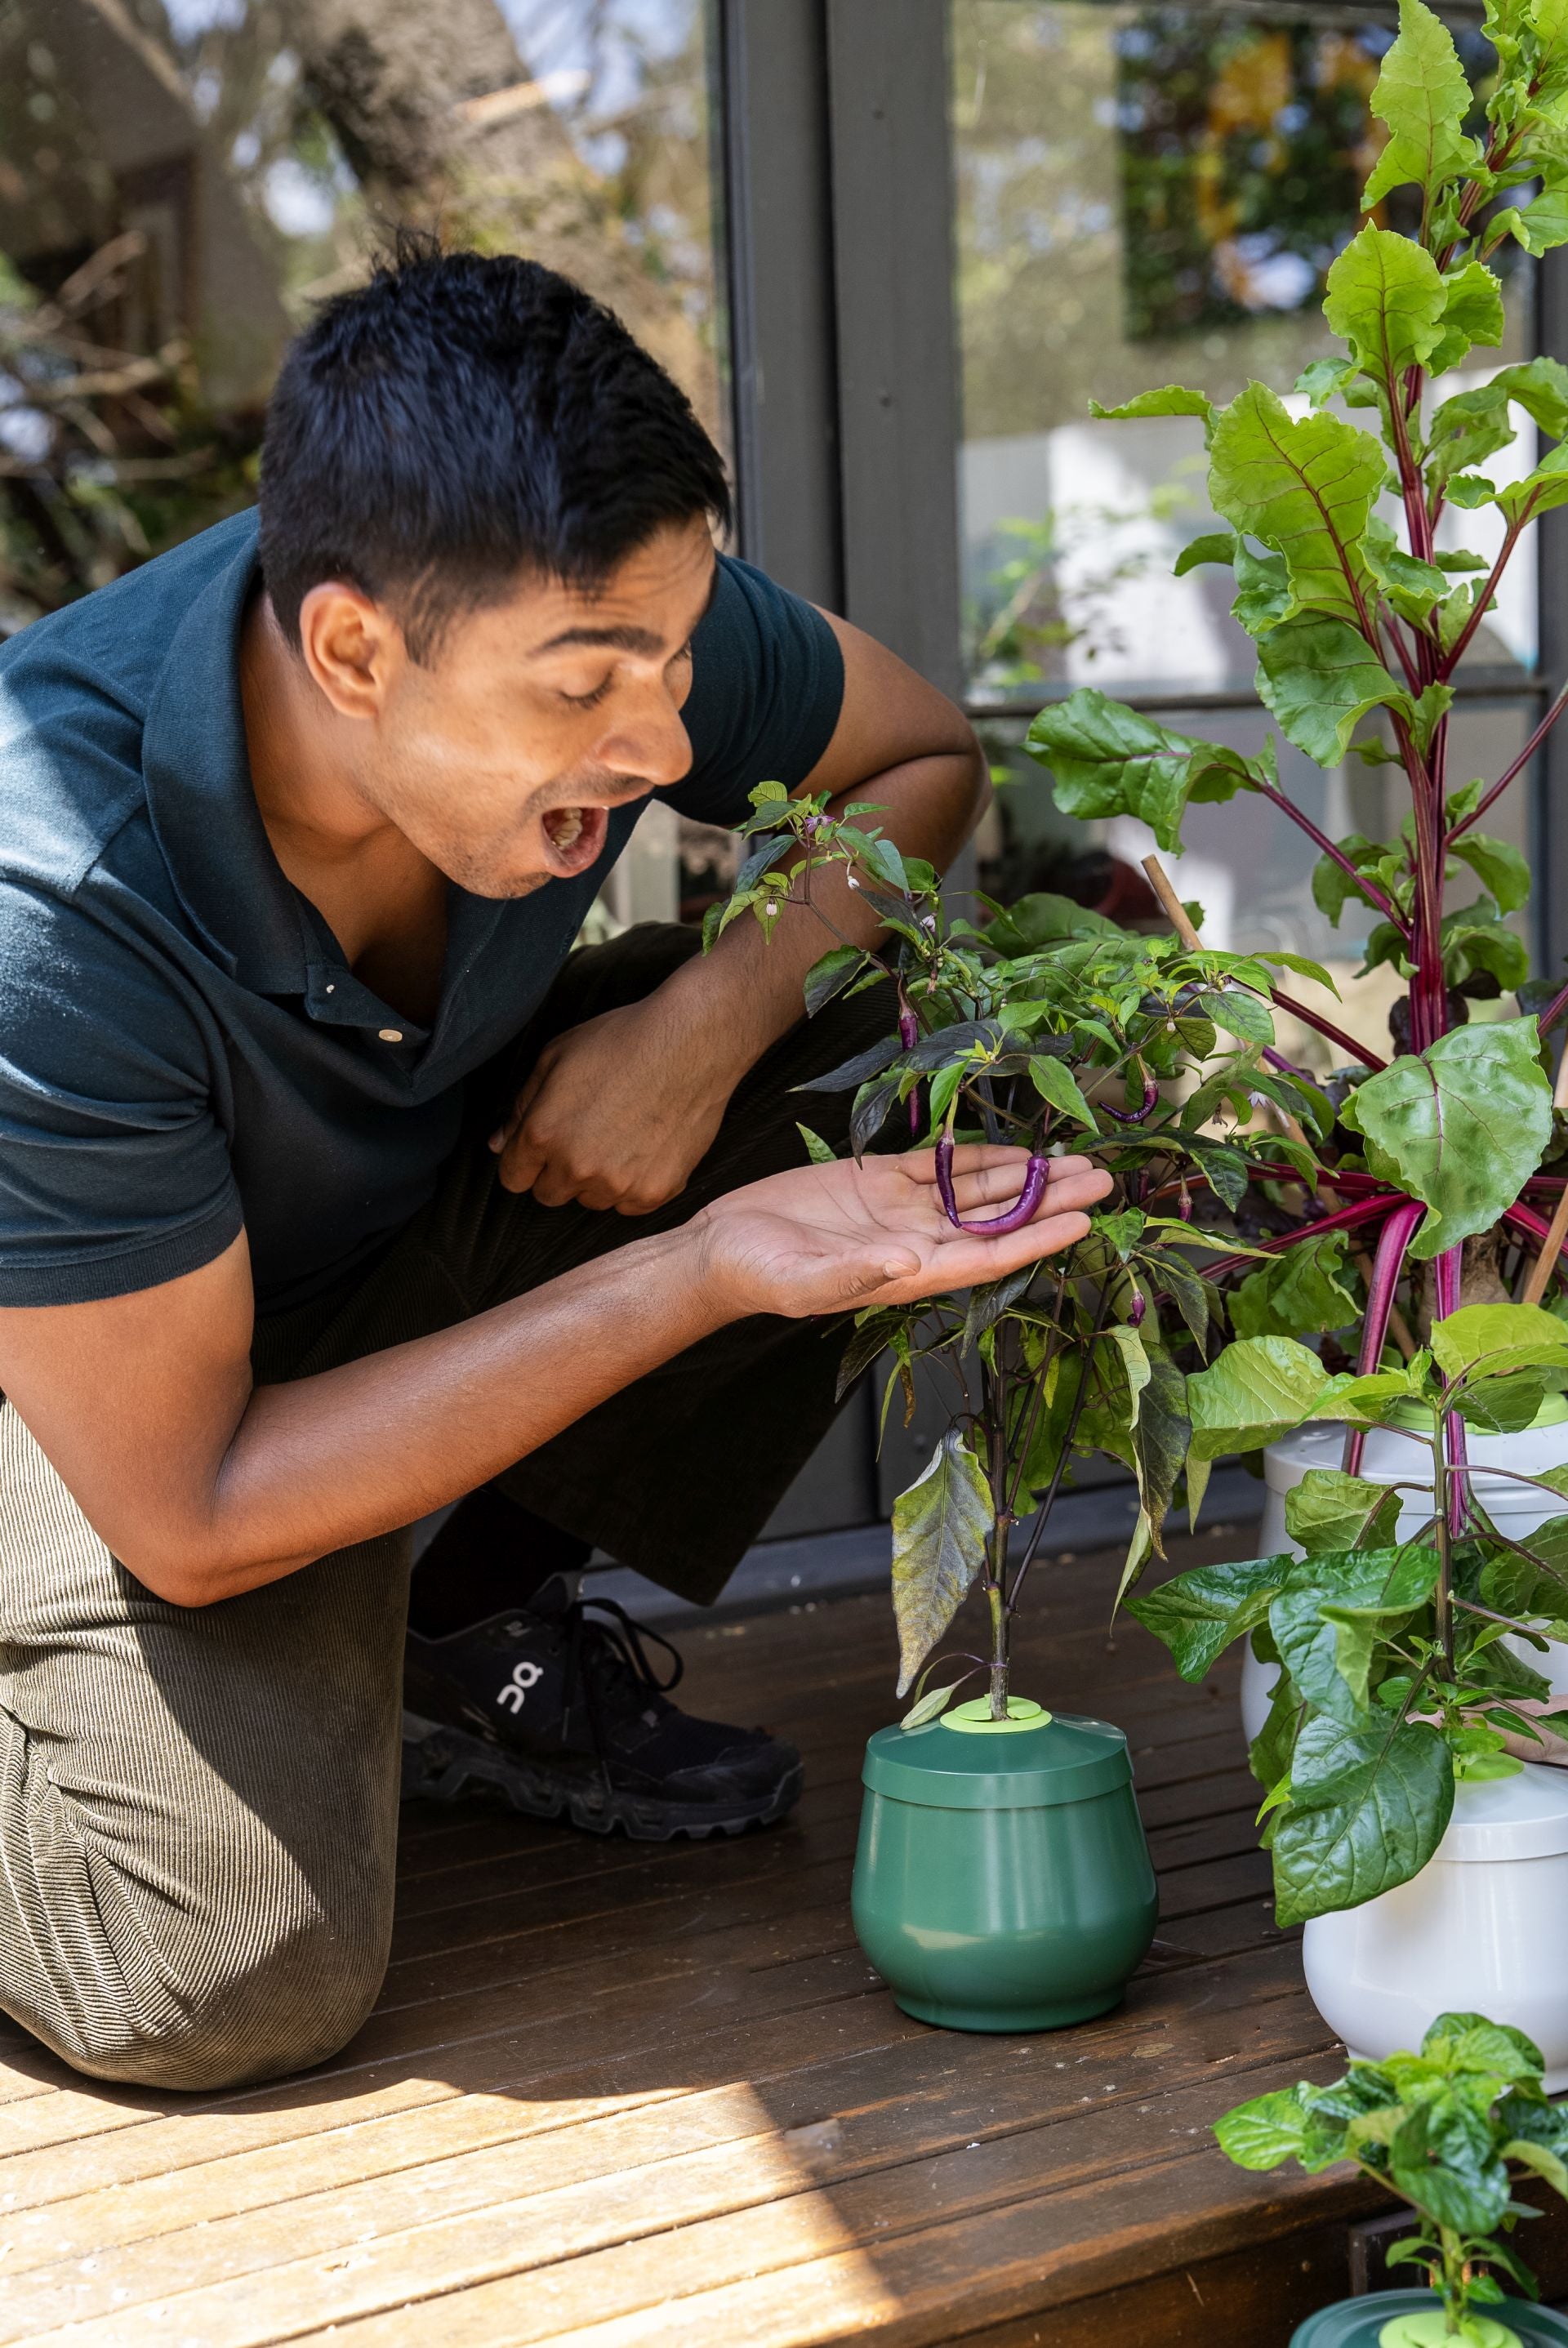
point(197, 772)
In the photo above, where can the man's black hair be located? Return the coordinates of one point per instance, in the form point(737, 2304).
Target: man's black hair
point(461, 422)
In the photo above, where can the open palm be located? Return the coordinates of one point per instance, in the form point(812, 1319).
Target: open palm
point(826, 1238)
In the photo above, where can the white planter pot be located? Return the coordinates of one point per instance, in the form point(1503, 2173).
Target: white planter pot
point(1481, 1930)
point(1392, 1457)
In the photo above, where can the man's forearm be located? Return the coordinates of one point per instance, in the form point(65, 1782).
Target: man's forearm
point(323, 1462)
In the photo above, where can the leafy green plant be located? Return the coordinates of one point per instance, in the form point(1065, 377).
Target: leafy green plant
point(1440, 2129)
point(1051, 1028)
point(1395, 1675)
point(1360, 617)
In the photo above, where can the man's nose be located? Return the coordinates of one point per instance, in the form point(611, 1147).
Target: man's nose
point(649, 743)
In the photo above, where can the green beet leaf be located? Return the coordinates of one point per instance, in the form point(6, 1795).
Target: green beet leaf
point(1541, 226)
point(1385, 298)
point(1304, 487)
point(1319, 679)
point(1329, 1511)
point(1368, 1809)
point(1108, 760)
point(940, 1528)
point(1460, 1126)
point(1473, 313)
point(1212, 546)
point(1498, 865)
point(1199, 1614)
point(1257, 1390)
point(1170, 400)
point(1423, 97)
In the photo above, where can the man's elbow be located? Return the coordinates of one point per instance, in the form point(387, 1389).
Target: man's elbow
point(193, 1568)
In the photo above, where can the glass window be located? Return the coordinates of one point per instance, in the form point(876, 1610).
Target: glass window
point(180, 179)
point(1151, 195)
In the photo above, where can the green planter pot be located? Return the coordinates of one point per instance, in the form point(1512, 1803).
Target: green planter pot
point(1002, 1881)
point(1360, 2323)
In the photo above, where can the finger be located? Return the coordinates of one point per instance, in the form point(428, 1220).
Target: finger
point(523, 1162)
point(970, 1260)
point(1080, 1189)
point(520, 1108)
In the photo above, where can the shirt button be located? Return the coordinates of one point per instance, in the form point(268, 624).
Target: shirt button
point(391, 1035)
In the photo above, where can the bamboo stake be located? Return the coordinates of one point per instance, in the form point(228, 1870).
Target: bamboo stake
point(1176, 914)
point(1541, 1271)
point(1559, 1090)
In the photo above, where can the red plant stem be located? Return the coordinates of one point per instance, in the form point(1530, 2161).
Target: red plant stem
point(1525, 755)
point(1367, 889)
point(1554, 1011)
point(1358, 1052)
point(1393, 1242)
point(1456, 651)
point(1343, 1219)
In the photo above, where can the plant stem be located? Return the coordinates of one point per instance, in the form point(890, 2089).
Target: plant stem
point(1525, 755)
point(1393, 1242)
point(1365, 888)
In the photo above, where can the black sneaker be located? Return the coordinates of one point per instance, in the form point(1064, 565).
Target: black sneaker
point(558, 1708)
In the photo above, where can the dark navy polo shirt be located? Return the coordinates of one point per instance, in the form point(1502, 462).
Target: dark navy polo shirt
point(183, 1049)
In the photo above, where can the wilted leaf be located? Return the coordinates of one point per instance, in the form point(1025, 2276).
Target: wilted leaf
point(940, 1528)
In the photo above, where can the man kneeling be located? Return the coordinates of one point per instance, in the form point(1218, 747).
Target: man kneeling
point(333, 1187)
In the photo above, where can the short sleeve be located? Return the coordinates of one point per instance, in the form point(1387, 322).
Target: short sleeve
point(767, 684)
point(114, 1172)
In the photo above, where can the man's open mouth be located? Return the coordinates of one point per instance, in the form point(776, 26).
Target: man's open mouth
point(574, 839)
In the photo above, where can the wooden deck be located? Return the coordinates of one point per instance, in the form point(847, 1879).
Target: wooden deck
point(625, 2096)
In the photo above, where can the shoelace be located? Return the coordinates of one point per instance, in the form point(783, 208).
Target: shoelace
point(605, 1655)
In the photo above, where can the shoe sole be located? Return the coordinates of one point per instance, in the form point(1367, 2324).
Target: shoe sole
point(441, 1765)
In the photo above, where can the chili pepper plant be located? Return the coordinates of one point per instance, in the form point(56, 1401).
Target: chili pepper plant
point(1049, 1028)
point(1443, 2130)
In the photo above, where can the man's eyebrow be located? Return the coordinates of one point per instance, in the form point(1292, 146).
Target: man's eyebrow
point(625, 639)
point(620, 639)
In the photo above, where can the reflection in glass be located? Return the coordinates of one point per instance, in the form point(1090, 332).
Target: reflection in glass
point(180, 180)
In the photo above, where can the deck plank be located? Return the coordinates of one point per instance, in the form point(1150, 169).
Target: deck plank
point(627, 2094)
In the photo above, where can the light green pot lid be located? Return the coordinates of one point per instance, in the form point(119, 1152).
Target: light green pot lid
point(1415, 1418)
point(1065, 1758)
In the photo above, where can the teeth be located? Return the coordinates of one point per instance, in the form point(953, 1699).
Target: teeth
point(564, 826)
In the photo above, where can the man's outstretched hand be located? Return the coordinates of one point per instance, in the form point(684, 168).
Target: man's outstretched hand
point(829, 1238)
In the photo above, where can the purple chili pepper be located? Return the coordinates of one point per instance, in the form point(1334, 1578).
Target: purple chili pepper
point(1134, 1116)
point(909, 1035)
point(1037, 1174)
point(1137, 1309)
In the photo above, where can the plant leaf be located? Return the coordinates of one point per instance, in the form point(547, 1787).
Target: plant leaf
point(940, 1527)
point(1319, 679)
point(1460, 1126)
point(1254, 1392)
point(819, 1151)
point(1497, 864)
point(1108, 760)
point(1200, 1613)
point(1328, 1512)
point(831, 975)
point(1367, 1808)
point(1385, 296)
point(1057, 1084)
point(1264, 2133)
point(1423, 97)
point(1171, 399)
point(1304, 487)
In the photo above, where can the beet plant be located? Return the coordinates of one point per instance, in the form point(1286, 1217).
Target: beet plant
point(1052, 1029)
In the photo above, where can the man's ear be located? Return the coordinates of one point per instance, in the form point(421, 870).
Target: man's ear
point(352, 647)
